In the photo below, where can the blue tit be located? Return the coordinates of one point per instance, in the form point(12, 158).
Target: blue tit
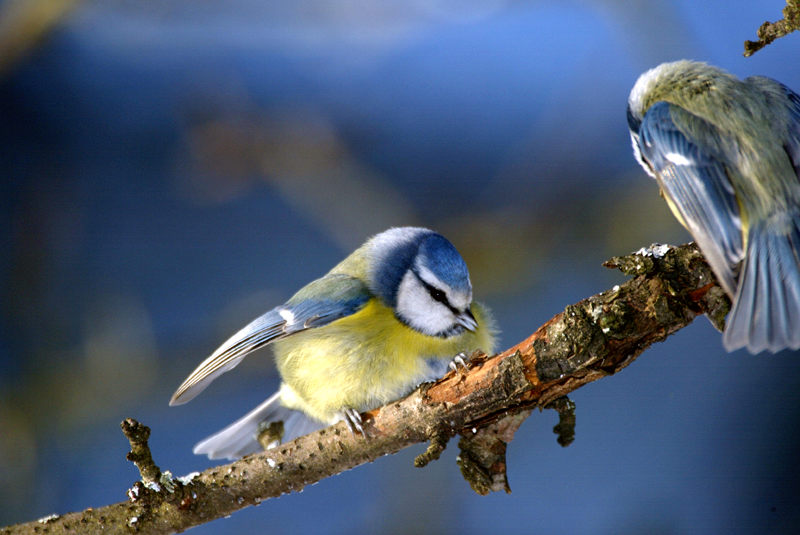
point(390, 316)
point(726, 155)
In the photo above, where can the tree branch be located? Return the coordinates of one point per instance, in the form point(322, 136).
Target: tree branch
point(589, 340)
point(769, 31)
point(23, 25)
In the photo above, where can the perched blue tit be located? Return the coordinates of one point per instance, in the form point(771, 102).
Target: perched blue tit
point(726, 155)
point(390, 316)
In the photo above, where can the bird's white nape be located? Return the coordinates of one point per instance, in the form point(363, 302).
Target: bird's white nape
point(642, 87)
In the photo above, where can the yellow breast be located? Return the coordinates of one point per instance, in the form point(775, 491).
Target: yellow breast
point(365, 360)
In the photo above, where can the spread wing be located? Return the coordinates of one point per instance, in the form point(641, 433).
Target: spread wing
point(696, 185)
point(319, 303)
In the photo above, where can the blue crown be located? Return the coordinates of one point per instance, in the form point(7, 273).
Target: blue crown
point(440, 256)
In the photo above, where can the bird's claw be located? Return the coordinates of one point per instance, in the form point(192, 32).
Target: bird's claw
point(353, 420)
point(459, 360)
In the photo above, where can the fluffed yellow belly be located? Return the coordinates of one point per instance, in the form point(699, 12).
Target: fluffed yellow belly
point(365, 360)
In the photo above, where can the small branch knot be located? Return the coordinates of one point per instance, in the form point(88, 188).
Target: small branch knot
point(565, 429)
point(483, 453)
point(138, 435)
point(438, 438)
point(270, 434)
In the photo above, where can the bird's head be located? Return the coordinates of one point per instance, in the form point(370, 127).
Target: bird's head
point(421, 275)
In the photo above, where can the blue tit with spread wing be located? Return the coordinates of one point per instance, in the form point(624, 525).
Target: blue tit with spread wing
point(388, 317)
point(726, 155)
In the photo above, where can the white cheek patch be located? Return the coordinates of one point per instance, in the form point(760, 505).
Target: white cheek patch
point(460, 301)
point(419, 310)
point(637, 154)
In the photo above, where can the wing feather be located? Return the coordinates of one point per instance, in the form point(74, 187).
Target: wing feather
point(696, 184)
point(319, 303)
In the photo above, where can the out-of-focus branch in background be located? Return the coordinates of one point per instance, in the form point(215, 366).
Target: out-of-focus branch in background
point(26, 23)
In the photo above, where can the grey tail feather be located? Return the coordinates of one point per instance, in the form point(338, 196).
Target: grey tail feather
point(240, 438)
point(766, 308)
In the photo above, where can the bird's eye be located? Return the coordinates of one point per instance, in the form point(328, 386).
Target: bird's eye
point(438, 295)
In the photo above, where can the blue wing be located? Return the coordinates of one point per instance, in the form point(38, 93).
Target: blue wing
point(318, 303)
point(696, 184)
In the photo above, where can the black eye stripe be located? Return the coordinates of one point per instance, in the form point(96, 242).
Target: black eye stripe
point(436, 293)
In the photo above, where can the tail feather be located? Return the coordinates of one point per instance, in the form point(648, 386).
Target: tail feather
point(766, 309)
point(240, 438)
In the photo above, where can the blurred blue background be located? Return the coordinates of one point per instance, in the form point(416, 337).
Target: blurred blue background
point(170, 171)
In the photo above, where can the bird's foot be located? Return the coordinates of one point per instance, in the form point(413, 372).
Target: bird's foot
point(461, 360)
point(354, 422)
